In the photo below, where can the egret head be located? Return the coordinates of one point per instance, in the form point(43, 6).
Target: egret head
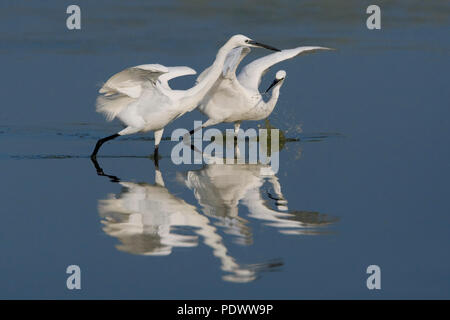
point(279, 79)
point(241, 40)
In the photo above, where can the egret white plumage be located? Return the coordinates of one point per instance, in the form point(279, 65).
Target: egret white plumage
point(142, 100)
point(237, 98)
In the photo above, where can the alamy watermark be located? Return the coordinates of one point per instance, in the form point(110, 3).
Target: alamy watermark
point(74, 280)
point(374, 20)
point(73, 22)
point(374, 280)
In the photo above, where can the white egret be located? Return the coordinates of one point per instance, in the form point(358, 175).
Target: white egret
point(234, 99)
point(142, 100)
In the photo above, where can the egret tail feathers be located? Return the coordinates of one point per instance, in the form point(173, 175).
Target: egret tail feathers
point(111, 106)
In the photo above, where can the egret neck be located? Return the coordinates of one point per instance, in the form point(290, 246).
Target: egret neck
point(194, 95)
point(270, 105)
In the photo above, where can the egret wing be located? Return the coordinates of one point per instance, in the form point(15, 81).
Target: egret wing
point(126, 87)
point(130, 81)
point(232, 60)
point(174, 72)
point(251, 74)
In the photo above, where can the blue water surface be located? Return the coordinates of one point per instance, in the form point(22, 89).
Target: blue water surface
point(365, 170)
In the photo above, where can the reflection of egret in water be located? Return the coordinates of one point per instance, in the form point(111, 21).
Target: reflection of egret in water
point(148, 220)
point(219, 188)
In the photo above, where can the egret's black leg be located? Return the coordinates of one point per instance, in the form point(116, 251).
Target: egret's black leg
point(102, 141)
point(156, 157)
point(195, 130)
point(101, 173)
point(190, 135)
point(195, 149)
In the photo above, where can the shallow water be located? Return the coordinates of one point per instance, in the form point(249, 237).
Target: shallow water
point(363, 175)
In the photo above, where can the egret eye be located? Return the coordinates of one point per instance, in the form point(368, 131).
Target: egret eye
point(246, 41)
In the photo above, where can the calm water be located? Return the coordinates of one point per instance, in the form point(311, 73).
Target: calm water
point(365, 177)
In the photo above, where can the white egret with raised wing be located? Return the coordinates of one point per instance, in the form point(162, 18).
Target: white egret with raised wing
point(237, 98)
point(142, 100)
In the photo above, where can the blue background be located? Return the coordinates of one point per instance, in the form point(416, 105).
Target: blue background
point(380, 104)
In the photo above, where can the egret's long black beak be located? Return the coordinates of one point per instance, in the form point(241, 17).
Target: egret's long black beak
point(273, 84)
point(262, 45)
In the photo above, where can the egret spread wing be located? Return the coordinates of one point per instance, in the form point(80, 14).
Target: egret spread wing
point(125, 87)
point(251, 74)
point(175, 72)
point(231, 63)
point(130, 81)
point(233, 59)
